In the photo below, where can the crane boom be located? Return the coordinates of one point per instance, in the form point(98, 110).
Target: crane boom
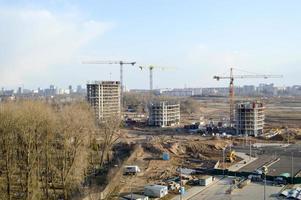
point(247, 76)
point(231, 87)
point(109, 62)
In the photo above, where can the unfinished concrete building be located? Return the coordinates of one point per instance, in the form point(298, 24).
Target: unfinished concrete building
point(163, 114)
point(249, 118)
point(104, 97)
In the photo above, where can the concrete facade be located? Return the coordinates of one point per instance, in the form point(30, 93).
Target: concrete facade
point(104, 97)
point(164, 114)
point(249, 118)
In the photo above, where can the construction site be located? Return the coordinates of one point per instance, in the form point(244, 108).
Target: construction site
point(150, 100)
point(226, 144)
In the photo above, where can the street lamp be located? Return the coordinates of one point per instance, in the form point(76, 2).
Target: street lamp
point(181, 186)
point(250, 150)
point(264, 171)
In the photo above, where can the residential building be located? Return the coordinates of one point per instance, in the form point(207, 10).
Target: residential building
point(164, 114)
point(249, 118)
point(104, 97)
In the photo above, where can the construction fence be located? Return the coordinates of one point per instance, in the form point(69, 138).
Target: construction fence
point(226, 172)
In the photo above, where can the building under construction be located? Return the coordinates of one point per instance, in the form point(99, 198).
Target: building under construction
point(104, 97)
point(163, 114)
point(249, 118)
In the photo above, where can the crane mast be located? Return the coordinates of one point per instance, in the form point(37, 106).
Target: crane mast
point(231, 96)
point(151, 80)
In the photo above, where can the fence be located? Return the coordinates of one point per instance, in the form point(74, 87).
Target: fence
point(226, 172)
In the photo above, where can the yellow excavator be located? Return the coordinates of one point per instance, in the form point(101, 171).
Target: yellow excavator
point(231, 156)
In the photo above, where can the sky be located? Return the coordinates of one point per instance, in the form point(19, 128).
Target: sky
point(44, 42)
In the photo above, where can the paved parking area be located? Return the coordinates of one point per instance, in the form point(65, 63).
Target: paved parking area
point(249, 192)
point(256, 191)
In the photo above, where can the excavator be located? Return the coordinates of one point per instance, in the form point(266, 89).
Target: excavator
point(231, 156)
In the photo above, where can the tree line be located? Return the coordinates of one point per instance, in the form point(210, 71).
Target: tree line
point(45, 150)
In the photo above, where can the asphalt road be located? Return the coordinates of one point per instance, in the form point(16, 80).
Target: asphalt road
point(263, 159)
point(217, 191)
point(265, 154)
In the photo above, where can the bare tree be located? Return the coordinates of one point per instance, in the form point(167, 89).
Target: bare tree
point(74, 127)
point(43, 149)
point(7, 162)
point(109, 133)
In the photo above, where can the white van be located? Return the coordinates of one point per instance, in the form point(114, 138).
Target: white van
point(131, 170)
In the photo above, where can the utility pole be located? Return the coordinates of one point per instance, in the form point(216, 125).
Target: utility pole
point(131, 190)
point(264, 171)
point(264, 186)
point(223, 161)
point(250, 150)
point(292, 173)
point(181, 191)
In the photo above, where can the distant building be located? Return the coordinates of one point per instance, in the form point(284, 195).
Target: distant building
point(295, 90)
point(183, 92)
point(220, 91)
point(178, 93)
point(51, 91)
point(164, 114)
point(70, 89)
point(267, 89)
point(80, 90)
point(248, 90)
point(20, 91)
point(249, 118)
point(139, 91)
point(104, 97)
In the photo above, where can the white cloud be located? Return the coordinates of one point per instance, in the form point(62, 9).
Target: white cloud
point(32, 41)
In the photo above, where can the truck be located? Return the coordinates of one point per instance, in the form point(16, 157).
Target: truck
point(131, 170)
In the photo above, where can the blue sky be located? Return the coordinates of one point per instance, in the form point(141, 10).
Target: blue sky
point(44, 42)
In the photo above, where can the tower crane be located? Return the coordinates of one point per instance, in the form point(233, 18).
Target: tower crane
point(231, 87)
point(151, 68)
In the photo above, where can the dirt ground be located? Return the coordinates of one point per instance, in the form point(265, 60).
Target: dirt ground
point(186, 153)
point(280, 111)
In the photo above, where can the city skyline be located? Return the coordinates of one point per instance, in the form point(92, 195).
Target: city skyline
point(44, 42)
